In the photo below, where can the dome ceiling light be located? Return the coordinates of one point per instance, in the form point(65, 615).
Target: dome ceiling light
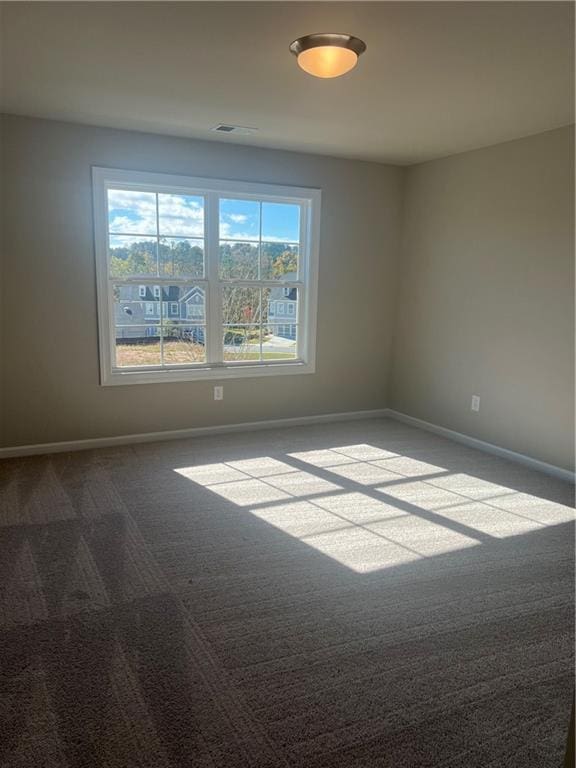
point(327, 54)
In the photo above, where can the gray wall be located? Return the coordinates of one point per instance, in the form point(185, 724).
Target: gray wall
point(50, 355)
point(479, 300)
point(485, 297)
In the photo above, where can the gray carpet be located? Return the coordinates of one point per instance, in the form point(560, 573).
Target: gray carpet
point(349, 595)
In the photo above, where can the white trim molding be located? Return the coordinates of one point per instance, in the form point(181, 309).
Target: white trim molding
point(253, 426)
point(481, 445)
point(212, 191)
point(183, 434)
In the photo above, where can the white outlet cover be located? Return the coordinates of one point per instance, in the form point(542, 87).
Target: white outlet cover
point(475, 405)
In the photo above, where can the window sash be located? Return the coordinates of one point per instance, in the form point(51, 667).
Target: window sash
point(211, 191)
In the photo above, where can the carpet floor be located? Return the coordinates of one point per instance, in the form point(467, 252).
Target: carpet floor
point(338, 596)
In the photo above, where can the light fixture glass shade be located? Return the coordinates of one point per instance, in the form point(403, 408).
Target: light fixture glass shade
point(327, 54)
point(327, 61)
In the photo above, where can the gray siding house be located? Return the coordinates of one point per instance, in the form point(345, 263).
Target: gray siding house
point(283, 311)
point(138, 309)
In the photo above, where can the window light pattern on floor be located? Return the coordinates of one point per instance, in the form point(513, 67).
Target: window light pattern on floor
point(369, 508)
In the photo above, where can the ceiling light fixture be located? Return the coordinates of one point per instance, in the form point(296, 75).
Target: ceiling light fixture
point(327, 54)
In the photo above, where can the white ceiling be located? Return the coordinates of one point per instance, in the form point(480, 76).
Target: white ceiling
point(437, 78)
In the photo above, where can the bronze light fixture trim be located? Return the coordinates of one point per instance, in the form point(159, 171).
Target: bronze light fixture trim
point(327, 54)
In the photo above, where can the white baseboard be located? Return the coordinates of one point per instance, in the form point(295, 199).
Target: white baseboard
point(182, 434)
point(252, 426)
point(481, 445)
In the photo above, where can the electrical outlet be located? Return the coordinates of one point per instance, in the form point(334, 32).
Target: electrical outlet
point(218, 393)
point(475, 405)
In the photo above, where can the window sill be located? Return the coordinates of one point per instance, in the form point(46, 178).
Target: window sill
point(206, 373)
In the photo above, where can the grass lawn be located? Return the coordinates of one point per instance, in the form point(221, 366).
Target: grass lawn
point(128, 355)
point(181, 352)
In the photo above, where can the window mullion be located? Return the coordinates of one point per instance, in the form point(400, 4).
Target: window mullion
point(260, 329)
point(160, 284)
point(165, 280)
point(241, 283)
point(214, 334)
point(302, 308)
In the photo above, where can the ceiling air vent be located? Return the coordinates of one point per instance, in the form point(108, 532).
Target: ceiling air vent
point(226, 128)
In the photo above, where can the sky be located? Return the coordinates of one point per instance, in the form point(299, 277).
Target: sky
point(132, 217)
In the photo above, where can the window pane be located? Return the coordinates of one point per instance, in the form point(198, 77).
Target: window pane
point(239, 261)
point(184, 303)
point(181, 257)
point(241, 306)
point(181, 215)
point(137, 344)
point(146, 314)
point(183, 343)
point(131, 212)
point(239, 220)
point(132, 256)
point(282, 305)
point(279, 261)
point(281, 222)
point(133, 308)
point(280, 342)
point(241, 342)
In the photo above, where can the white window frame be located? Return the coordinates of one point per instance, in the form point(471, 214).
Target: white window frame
point(142, 291)
point(212, 190)
point(172, 310)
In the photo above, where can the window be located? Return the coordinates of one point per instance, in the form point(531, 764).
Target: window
point(193, 310)
point(224, 251)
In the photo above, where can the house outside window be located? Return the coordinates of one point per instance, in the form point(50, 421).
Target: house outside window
point(195, 311)
point(215, 255)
